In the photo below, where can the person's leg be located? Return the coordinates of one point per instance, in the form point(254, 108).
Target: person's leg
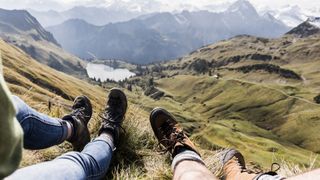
point(92, 163)
point(187, 163)
point(42, 131)
point(315, 174)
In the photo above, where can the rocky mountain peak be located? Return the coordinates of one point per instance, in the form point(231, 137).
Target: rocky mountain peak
point(243, 7)
point(307, 28)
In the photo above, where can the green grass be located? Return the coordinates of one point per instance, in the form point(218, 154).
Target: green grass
point(209, 109)
point(265, 121)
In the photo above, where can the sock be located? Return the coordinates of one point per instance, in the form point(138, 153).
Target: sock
point(183, 155)
point(108, 138)
point(268, 177)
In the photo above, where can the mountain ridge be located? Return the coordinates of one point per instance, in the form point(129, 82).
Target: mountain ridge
point(26, 24)
point(19, 28)
point(307, 28)
point(172, 35)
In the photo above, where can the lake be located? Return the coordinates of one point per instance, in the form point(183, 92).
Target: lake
point(104, 72)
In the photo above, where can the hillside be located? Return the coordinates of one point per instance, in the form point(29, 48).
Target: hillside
point(243, 92)
point(217, 113)
point(19, 28)
point(163, 36)
point(308, 28)
point(38, 84)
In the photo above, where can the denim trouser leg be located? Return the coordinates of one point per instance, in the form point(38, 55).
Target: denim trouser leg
point(92, 163)
point(40, 130)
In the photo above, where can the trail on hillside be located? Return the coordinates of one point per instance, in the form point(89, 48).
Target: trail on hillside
point(278, 90)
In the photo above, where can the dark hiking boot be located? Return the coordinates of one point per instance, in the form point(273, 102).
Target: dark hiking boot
point(79, 118)
point(168, 132)
point(114, 114)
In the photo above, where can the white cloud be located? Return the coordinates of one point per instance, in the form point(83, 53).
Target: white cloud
point(63, 4)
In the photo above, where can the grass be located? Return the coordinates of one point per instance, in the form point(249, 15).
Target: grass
point(216, 113)
point(240, 114)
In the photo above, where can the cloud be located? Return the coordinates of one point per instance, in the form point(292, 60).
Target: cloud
point(171, 4)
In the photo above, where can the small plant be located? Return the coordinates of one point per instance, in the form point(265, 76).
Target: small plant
point(317, 99)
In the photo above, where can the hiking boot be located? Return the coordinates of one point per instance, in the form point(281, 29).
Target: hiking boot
point(79, 118)
point(234, 167)
point(168, 132)
point(114, 113)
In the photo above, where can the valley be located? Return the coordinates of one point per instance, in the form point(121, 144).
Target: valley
point(260, 95)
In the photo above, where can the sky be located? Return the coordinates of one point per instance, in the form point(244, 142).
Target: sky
point(65, 4)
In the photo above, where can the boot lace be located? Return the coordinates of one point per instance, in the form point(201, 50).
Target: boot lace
point(172, 135)
point(80, 112)
point(111, 118)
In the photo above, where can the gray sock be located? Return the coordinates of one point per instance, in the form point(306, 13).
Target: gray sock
point(186, 155)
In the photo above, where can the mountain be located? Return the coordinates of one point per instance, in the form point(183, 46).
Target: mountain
point(163, 36)
point(307, 28)
point(93, 15)
point(19, 28)
point(17, 21)
point(291, 15)
point(127, 41)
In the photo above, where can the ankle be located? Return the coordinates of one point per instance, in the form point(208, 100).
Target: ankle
point(185, 154)
point(107, 135)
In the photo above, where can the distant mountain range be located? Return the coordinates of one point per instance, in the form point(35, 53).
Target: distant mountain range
point(292, 16)
point(19, 28)
point(94, 15)
point(163, 36)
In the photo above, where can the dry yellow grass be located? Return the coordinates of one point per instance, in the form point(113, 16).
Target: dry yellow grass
point(136, 157)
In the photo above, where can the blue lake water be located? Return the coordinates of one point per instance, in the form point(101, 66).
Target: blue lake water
point(104, 72)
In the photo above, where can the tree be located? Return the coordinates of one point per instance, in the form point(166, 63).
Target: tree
point(150, 82)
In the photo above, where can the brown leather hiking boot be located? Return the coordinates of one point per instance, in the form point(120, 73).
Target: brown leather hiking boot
point(234, 167)
point(79, 118)
point(114, 113)
point(168, 132)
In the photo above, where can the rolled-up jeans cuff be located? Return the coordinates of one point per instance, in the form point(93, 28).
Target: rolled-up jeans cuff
point(184, 156)
point(65, 130)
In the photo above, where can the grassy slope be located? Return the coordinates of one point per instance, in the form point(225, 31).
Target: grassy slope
point(33, 82)
point(275, 115)
point(136, 157)
point(44, 51)
point(234, 113)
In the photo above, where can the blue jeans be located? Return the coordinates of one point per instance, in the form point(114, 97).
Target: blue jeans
point(42, 131)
